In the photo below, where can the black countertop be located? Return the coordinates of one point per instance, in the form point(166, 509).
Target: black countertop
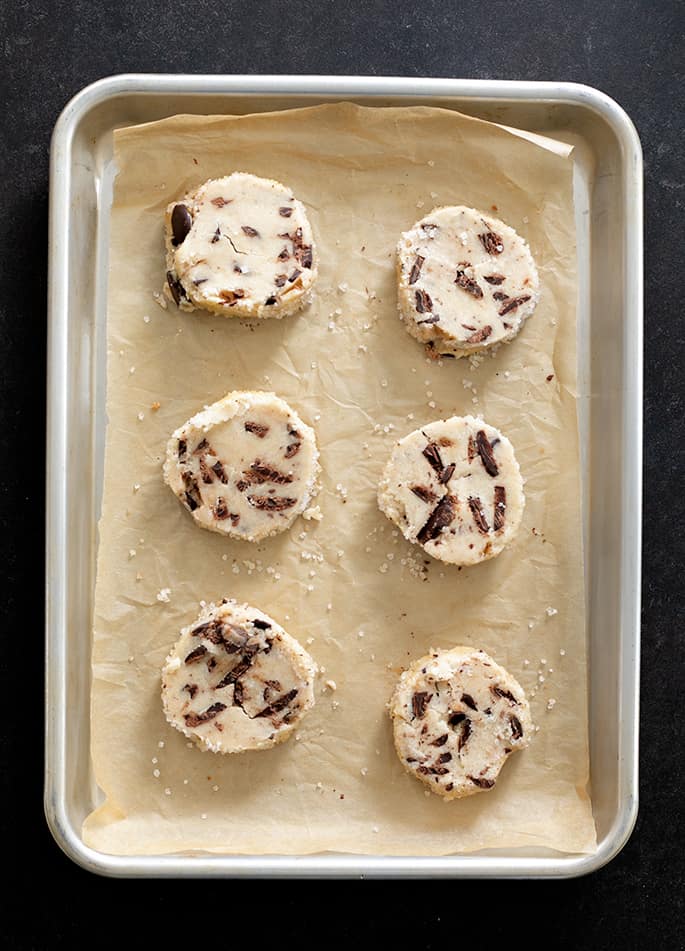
point(634, 51)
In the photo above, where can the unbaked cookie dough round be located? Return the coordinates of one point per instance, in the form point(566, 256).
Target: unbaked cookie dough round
point(240, 246)
point(466, 281)
point(236, 681)
point(245, 466)
point(454, 487)
point(457, 716)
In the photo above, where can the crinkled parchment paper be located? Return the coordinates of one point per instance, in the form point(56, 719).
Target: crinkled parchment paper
point(362, 600)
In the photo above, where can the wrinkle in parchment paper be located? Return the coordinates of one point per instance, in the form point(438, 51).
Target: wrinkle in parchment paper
point(360, 598)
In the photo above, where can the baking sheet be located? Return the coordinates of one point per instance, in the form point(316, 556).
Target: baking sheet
point(365, 175)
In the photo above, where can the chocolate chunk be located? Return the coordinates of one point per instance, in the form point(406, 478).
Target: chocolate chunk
point(424, 304)
point(419, 702)
point(432, 454)
point(441, 740)
point(216, 236)
point(500, 295)
point(270, 301)
point(278, 704)
point(442, 515)
point(464, 735)
point(230, 297)
point(480, 335)
point(257, 429)
point(467, 699)
point(432, 320)
point(446, 474)
point(220, 472)
point(305, 256)
point(449, 787)
point(271, 503)
point(280, 280)
point(206, 472)
point(195, 654)
point(479, 518)
point(242, 485)
point(482, 782)
point(240, 668)
point(285, 212)
point(500, 507)
point(258, 474)
point(262, 625)
point(238, 694)
point(195, 719)
point(284, 255)
point(494, 278)
point(292, 450)
point(468, 284)
point(484, 447)
point(220, 202)
point(416, 269)
point(433, 770)
point(220, 509)
point(444, 758)
point(504, 694)
point(202, 447)
point(181, 223)
point(512, 304)
point(492, 242)
point(177, 290)
point(182, 449)
point(294, 276)
point(211, 663)
point(193, 499)
point(423, 492)
point(191, 688)
point(250, 231)
point(456, 719)
point(516, 728)
point(472, 450)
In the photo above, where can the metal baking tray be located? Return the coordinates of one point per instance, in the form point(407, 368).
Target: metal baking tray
point(608, 163)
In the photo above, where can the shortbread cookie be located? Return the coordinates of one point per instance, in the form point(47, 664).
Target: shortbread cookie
point(457, 716)
point(245, 466)
point(466, 281)
point(455, 488)
point(241, 246)
point(236, 681)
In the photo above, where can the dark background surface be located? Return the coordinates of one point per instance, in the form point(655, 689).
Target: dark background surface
point(634, 51)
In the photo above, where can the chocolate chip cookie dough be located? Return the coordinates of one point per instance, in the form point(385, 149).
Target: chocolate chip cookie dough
point(466, 281)
point(235, 680)
point(457, 716)
point(246, 466)
point(455, 488)
point(240, 246)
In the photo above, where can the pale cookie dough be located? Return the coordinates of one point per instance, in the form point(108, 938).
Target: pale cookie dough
point(236, 681)
point(457, 716)
point(245, 466)
point(455, 488)
point(240, 246)
point(466, 281)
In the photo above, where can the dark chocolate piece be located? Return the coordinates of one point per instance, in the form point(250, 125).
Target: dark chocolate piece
point(484, 447)
point(195, 719)
point(479, 518)
point(442, 515)
point(419, 702)
point(416, 269)
point(181, 223)
point(500, 507)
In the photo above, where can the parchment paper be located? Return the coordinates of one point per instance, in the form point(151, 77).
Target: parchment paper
point(362, 600)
